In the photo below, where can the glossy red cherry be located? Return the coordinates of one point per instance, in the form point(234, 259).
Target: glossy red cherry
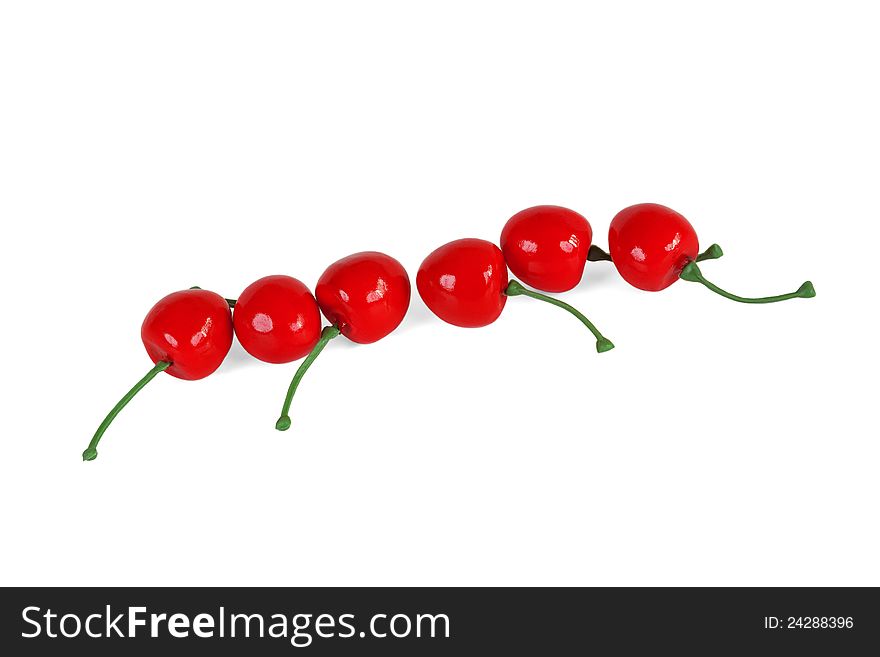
point(276, 319)
point(465, 283)
point(364, 296)
point(192, 330)
point(653, 246)
point(547, 246)
point(650, 244)
point(187, 334)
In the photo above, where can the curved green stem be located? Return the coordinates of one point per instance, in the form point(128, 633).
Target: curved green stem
point(515, 288)
point(691, 272)
point(230, 302)
point(329, 332)
point(712, 253)
point(596, 254)
point(91, 452)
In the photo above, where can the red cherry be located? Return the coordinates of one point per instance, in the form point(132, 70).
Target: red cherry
point(653, 246)
point(187, 334)
point(547, 246)
point(464, 282)
point(650, 244)
point(276, 319)
point(364, 296)
point(192, 330)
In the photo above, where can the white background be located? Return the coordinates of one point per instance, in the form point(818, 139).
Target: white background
point(148, 147)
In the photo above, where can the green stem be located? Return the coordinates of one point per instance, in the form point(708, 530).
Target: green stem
point(596, 254)
point(329, 332)
point(515, 288)
point(91, 452)
point(691, 272)
point(712, 253)
point(230, 302)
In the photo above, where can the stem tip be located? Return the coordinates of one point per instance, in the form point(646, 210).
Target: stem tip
point(90, 454)
point(806, 291)
point(712, 253)
point(603, 345)
point(283, 423)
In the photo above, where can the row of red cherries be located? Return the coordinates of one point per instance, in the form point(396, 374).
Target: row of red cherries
point(366, 295)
